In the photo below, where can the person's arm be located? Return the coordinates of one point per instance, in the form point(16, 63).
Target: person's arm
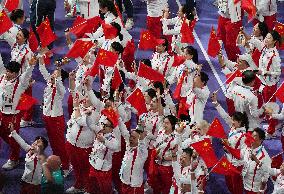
point(200, 94)
point(112, 144)
point(276, 67)
point(265, 166)
point(94, 36)
point(60, 87)
point(123, 130)
point(25, 77)
point(94, 100)
point(224, 114)
point(256, 43)
point(2, 68)
point(43, 70)
point(20, 141)
point(253, 107)
point(47, 173)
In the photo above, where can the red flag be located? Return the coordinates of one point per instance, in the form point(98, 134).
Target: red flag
point(106, 58)
point(33, 43)
point(80, 49)
point(277, 160)
point(213, 44)
point(249, 139)
point(231, 76)
point(250, 8)
point(116, 79)
point(93, 71)
point(110, 32)
point(5, 22)
point(128, 55)
point(225, 167)
point(216, 129)
point(205, 150)
point(46, 35)
point(78, 26)
point(187, 32)
point(179, 86)
point(236, 1)
point(178, 60)
point(147, 40)
point(118, 13)
point(112, 115)
point(149, 73)
point(137, 100)
point(280, 93)
point(279, 27)
point(11, 5)
point(235, 152)
point(92, 25)
point(26, 102)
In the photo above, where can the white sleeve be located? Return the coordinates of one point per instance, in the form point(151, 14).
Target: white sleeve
point(60, 87)
point(44, 72)
point(25, 78)
point(20, 141)
point(224, 114)
point(256, 43)
point(95, 101)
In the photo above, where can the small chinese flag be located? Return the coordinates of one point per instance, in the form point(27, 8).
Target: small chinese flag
point(216, 129)
point(149, 73)
point(5, 22)
point(136, 99)
point(110, 32)
point(234, 151)
point(280, 93)
point(80, 49)
point(116, 79)
point(147, 40)
point(33, 43)
point(78, 26)
point(112, 115)
point(250, 8)
point(177, 92)
point(205, 149)
point(106, 58)
point(225, 167)
point(128, 55)
point(26, 102)
point(249, 139)
point(93, 71)
point(231, 76)
point(178, 60)
point(213, 44)
point(11, 5)
point(187, 32)
point(279, 27)
point(92, 25)
point(46, 35)
point(118, 13)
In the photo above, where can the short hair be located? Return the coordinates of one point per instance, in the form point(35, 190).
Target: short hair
point(276, 36)
point(248, 76)
point(117, 47)
point(17, 14)
point(159, 85)
point(184, 117)
point(204, 77)
point(109, 5)
point(44, 141)
point(260, 133)
point(151, 92)
point(13, 66)
point(263, 29)
point(166, 43)
point(188, 151)
point(26, 33)
point(242, 118)
point(173, 120)
point(192, 51)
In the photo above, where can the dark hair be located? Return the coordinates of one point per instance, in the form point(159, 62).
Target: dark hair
point(188, 151)
point(117, 47)
point(159, 85)
point(204, 77)
point(248, 76)
point(118, 27)
point(263, 29)
point(44, 141)
point(64, 75)
point(109, 5)
point(260, 133)
point(173, 120)
point(192, 51)
point(184, 117)
point(242, 118)
point(152, 93)
point(98, 95)
point(147, 62)
point(26, 33)
point(276, 36)
point(166, 43)
point(13, 66)
point(17, 14)
point(188, 9)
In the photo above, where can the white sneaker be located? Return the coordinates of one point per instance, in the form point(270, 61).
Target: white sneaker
point(24, 123)
point(129, 23)
point(10, 164)
point(74, 190)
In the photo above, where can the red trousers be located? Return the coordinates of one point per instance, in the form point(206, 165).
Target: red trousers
point(55, 127)
point(228, 33)
point(154, 25)
point(147, 163)
point(267, 92)
point(70, 105)
point(5, 132)
point(79, 158)
point(28, 115)
point(235, 183)
point(99, 182)
point(269, 21)
point(126, 189)
point(161, 182)
point(116, 164)
point(27, 188)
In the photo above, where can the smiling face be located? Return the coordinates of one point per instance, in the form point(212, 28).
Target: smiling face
point(167, 125)
point(133, 139)
point(256, 31)
point(269, 41)
point(185, 159)
point(20, 38)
